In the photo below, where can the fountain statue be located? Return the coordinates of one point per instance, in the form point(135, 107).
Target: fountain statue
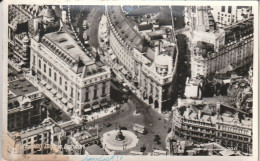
point(120, 136)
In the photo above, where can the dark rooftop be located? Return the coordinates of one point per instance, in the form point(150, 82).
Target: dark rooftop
point(143, 27)
point(21, 87)
point(92, 69)
point(95, 150)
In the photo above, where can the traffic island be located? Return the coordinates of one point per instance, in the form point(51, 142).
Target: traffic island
point(119, 140)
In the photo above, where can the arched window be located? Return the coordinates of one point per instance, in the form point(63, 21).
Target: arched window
point(44, 68)
point(40, 64)
point(49, 72)
point(60, 81)
point(55, 77)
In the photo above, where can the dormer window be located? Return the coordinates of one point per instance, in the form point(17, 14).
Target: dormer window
point(62, 40)
point(70, 46)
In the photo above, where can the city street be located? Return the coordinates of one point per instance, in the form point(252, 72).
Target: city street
point(126, 118)
point(92, 15)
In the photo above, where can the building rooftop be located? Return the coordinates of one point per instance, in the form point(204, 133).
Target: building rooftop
point(92, 69)
point(36, 130)
point(125, 28)
point(95, 150)
point(21, 87)
point(67, 44)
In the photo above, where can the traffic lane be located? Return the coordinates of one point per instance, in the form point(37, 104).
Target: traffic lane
point(153, 121)
point(94, 19)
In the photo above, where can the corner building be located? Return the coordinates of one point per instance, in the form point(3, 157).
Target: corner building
point(78, 84)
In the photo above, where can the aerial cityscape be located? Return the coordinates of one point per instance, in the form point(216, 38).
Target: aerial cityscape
point(130, 80)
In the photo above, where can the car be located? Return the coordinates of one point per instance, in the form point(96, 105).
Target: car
point(157, 137)
point(108, 124)
point(157, 141)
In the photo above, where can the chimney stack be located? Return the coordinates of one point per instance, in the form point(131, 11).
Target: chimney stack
point(199, 114)
point(35, 25)
point(218, 107)
point(157, 51)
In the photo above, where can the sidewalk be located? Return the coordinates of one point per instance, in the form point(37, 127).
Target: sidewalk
point(101, 114)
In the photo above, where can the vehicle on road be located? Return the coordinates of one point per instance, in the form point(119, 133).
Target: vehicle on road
point(85, 24)
point(139, 128)
point(108, 124)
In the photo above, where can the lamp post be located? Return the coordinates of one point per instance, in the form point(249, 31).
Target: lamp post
point(116, 125)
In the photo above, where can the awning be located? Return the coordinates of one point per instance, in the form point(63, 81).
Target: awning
point(113, 57)
point(87, 109)
point(70, 106)
point(59, 96)
point(48, 87)
point(53, 91)
point(64, 100)
point(124, 71)
point(43, 82)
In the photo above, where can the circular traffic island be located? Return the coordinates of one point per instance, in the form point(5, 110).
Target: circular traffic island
point(119, 140)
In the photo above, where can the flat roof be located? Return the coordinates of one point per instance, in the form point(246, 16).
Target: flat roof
point(67, 44)
point(95, 150)
point(21, 87)
point(36, 131)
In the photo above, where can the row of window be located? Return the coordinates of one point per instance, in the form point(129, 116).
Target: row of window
point(232, 129)
point(103, 93)
point(55, 78)
point(35, 138)
point(234, 137)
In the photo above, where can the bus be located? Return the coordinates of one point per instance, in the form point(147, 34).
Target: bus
point(139, 128)
point(85, 24)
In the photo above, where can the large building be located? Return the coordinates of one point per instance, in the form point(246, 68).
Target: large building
point(202, 122)
point(147, 55)
point(24, 105)
point(228, 15)
point(68, 76)
point(41, 139)
point(214, 49)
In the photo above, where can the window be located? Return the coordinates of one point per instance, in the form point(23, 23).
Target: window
point(40, 64)
point(66, 86)
point(245, 139)
point(229, 9)
point(60, 81)
point(86, 97)
point(55, 77)
point(223, 9)
point(103, 90)
point(78, 96)
point(95, 92)
point(49, 72)
point(44, 66)
point(71, 94)
point(33, 60)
